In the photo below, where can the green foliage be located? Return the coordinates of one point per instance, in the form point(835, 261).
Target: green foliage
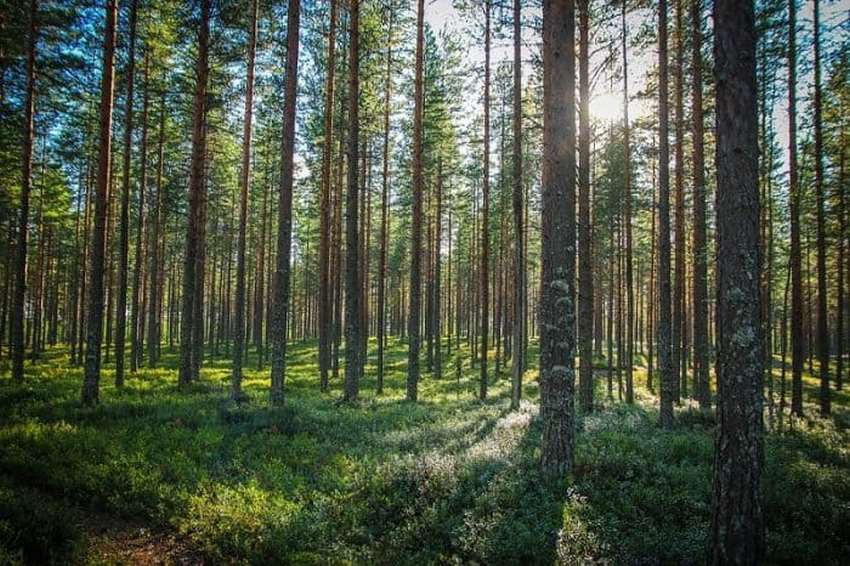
point(447, 480)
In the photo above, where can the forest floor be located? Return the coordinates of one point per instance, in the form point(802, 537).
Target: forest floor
point(151, 475)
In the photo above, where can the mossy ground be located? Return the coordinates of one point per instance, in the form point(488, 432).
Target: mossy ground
point(446, 480)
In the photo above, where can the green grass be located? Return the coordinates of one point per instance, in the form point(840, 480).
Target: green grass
point(446, 480)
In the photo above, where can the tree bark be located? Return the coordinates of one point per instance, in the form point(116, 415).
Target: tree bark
point(94, 338)
point(738, 535)
point(280, 304)
point(136, 309)
point(557, 314)
point(385, 222)
point(518, 362)
point(245, 180)
point(485, 212)
point(797, 344)
point(585, 273)
point(416, 224)
point(17, 318)
point(665, 362)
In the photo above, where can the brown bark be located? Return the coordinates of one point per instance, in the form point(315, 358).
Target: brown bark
point(585, 272)
point(245, 180)
point(280, 304)
point(485, 212)
point(557, 315)
point(519, 285)
point(797, 344)
point(738, 535)
point(91, 380)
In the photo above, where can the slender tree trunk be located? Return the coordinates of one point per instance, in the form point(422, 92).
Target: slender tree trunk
point(797, 346)
point(557, 313)
point(841, 244)
point(585, 273)
point(822, 330)
point(680, 386)
point(325, 211)
point(700, 251)
point(17, 318)
point(385, 222)
point(485, 212)
point(136, 310)
point(738, 535)
point(519, 286)
point(245, 180)
point(280, 304)
point(630, 291)
point(154, 319)
point(124, 227)
point(91, 381)
point(665, 361)
point(416, 224)
point(353, 314)
point(194, 242)
point(438, 238)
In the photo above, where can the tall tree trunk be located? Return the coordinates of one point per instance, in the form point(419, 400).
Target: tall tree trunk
point(840, 275)
point(518, 364)
point(822, 331)
point(485, 212)
point(585, 272)
point(136, 312)
point(91, 380)
point(156, 270)
point(325, 211)
point(797, 345)
point(557, 314)
point(17, 318)
point(630, 290)
point(280, 304)
point(194, 243)
point(700, 251)
point(738, 535)
point(680, 386)
point(416, 224)
point(438, 238)
point(353, 314)
point(124, 227)
point(665, 361)
point(385, 223)
point(245, 180)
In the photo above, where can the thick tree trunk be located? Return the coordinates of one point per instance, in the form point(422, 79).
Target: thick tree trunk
point(245, 180)
point(557, 312)
point(738, 535)
point(280, 304)
point(91, 379)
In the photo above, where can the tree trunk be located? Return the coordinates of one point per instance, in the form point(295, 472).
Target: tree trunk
point(585, 272)
point(124, 228)
point(280, 304)
point(91, 381)
point(665, 362)
point(17, 318)
point(738, 535)
point(416, 224)
point(630, 291)
point(518, 365)
point(822, 330)
point(797, 346)
point(245, 180)
point(154, 310)
point(136, 310)
point(700, 251)
point(680, 386)
point(485, 212)
point(353, 314)
point(385, 222)
point(557, 315)
point(194, 242)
